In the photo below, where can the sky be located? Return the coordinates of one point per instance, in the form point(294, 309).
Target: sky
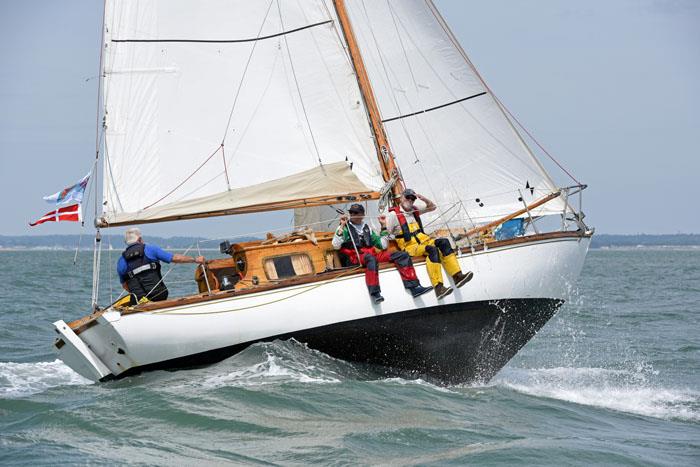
point(609, 87)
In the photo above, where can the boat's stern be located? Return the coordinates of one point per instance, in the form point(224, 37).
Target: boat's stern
point(77, 355)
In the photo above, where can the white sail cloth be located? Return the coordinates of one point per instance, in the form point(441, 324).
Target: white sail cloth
point(466, 156)
point(168, 98)
point(331, 182)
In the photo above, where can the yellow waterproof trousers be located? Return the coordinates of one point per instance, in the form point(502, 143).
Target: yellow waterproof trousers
point(436, 252)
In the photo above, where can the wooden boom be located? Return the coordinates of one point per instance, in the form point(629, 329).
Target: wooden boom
point(490, 225)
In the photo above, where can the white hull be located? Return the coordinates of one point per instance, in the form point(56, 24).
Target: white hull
point(545, 269)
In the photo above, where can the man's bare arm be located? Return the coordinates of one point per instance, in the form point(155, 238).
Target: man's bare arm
point(429, 205)
point(188, 259)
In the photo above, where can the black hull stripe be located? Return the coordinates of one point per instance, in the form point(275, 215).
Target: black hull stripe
point(433, 108)
point(449, 344)
point(227, 41)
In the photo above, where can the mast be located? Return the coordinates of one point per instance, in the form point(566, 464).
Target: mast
point(384, 153)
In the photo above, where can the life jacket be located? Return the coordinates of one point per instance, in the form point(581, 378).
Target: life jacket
point(143, 274)
point(406, 227)
point(364, 241)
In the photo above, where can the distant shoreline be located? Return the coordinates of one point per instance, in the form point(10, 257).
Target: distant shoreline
point(70, 242)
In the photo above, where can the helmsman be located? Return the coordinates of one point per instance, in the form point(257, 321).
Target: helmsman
point(139, 267)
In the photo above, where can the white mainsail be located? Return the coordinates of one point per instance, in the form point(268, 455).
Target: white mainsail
point(203, 99)
point(450, 138)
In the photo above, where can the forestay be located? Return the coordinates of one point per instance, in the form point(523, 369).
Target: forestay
point(206, 98)
point(450, 138)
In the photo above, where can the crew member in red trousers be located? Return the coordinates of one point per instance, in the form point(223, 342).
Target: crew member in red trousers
point(355, 236)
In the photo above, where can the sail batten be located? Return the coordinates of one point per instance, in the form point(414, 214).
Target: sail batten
point(229, 41)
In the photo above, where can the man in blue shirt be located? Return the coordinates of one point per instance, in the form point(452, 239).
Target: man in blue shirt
point(139, 267)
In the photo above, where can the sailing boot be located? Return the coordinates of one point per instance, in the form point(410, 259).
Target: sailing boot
point(377, 297)
point(461, 279)
point(419, 290)
point(441, 291)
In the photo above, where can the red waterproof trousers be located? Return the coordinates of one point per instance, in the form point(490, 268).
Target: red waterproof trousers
point(370, 259)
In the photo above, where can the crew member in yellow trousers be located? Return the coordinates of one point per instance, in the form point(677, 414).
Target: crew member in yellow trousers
point(404, 223)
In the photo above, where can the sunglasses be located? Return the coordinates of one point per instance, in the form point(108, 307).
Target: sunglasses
point(355, 212)
point(411, 197)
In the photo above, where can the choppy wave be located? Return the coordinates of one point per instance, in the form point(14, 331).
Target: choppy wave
point(24, 379)
point(272, 363)
point(620, 390)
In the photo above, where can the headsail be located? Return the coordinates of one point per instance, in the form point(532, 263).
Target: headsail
point(451, 139)
point(206, 98)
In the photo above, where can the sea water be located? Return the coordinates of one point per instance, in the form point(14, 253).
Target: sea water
point(613, 378)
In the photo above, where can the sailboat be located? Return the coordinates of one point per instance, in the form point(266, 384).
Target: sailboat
point(219, 108)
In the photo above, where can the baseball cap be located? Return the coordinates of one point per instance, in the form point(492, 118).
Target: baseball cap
point(357, 208)
point(408, 192)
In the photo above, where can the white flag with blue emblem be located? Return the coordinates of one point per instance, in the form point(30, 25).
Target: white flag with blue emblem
point(71, 194)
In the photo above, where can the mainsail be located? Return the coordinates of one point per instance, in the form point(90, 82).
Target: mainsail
point(448, 133)
point(205, 101)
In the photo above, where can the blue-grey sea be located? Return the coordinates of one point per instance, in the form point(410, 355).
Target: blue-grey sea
point(613, 378)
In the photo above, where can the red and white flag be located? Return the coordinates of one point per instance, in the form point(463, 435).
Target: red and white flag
point(70, 213)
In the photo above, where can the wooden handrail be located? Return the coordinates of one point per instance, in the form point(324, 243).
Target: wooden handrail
point(490, 225)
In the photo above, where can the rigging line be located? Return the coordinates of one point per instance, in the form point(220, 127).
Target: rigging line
point(330, 76)
point(99, 126)
point(450, 35)
point(339, 35)
point(395, 19)
point(111, 178)
point(296, 81)
point(388, 80)
point(396, 102)
point(99, 82)
point(467, 111)
point(536, 142)
point(240, 84)
point(227, 41)
point(255, 113)
point(304, 290)
point(223, 159)
point(187, 178)
point(434, 108)
point(168, 271)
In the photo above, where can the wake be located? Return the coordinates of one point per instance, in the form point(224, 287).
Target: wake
point(619, 390)
point(24, 379)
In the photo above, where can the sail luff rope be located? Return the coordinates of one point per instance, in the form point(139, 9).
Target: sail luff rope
point(443, 24)
point(398, 107)
point(394, 17)
point(463, 106)
point(388, 79)
point(296, 82)
point(98, 134)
